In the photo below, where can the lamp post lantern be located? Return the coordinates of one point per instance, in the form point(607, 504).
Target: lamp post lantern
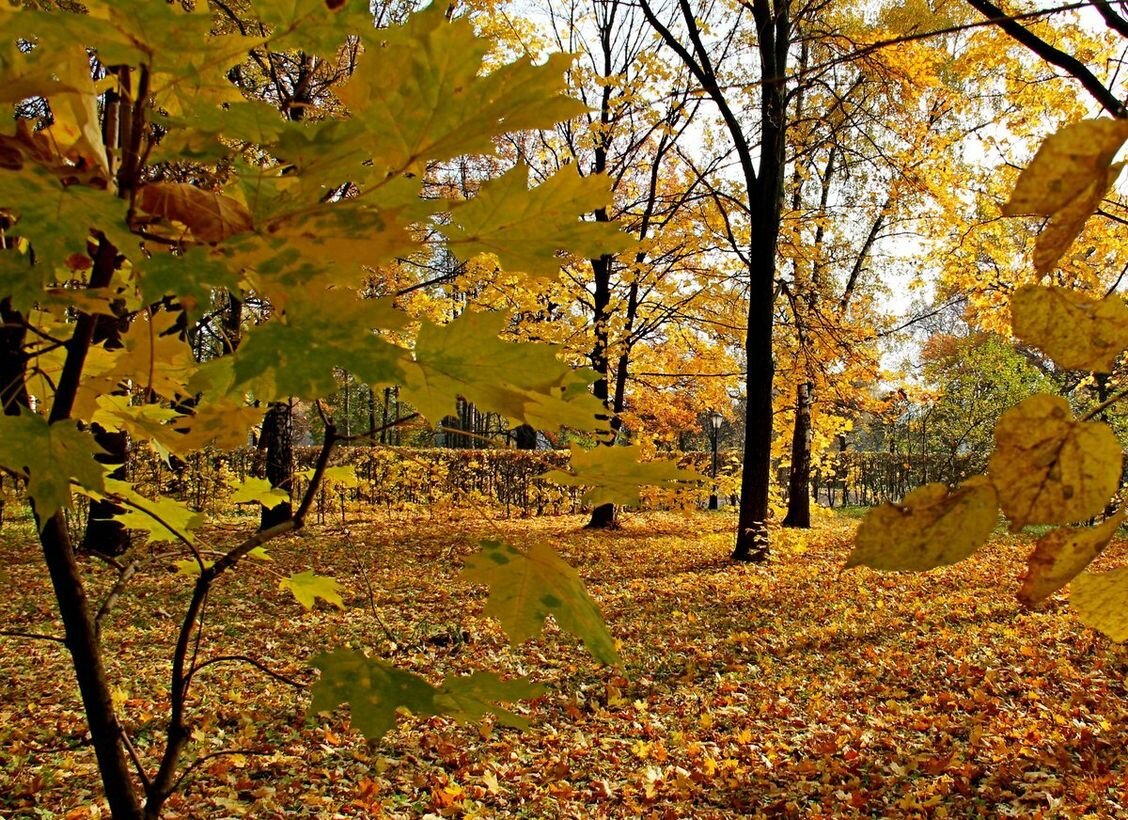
point(715, 420)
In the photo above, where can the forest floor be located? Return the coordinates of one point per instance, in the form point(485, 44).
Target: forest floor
point(784, 689)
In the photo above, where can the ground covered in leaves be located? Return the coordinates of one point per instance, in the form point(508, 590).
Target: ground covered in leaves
point(784, 689)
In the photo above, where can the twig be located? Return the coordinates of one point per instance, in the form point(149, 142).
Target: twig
point(124, 575)
point(128, 744)
point(19, 633)
point(372, 598)
point(376, 431)
point(266, 670)
point(199, 761)
point(1104, 405)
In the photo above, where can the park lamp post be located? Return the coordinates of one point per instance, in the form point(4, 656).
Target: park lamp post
point(715, 420)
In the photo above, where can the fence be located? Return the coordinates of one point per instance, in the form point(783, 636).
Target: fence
point(870, 478)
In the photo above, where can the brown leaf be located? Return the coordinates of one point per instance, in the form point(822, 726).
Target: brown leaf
point(209, 215)
point(1060, 555)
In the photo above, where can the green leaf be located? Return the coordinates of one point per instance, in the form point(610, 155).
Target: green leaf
point(931, 527)
point(191, 277)
point(315, 26)
point(374, 691)
point(49, 456)
point(56, 220)
point(1049, 468)
point(307, 587)
point(425, 96)
point(258, 490)
point(525, 382)
point(1101, 601)
point(297, 354)
point(470, 698)
point(1060, 555)
point(525, 588)
point(1078, 332)
point(525, 228)
point(613, 475)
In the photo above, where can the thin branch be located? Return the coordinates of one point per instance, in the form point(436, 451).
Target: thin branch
point(36, 636)
point(1055, 56)
point(378, 430)
point(266, 670)
point(199, 761)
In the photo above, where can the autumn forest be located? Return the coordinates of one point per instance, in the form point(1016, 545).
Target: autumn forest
point(563, 408)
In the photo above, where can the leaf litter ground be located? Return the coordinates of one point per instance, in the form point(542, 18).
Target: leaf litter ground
point(785, 689)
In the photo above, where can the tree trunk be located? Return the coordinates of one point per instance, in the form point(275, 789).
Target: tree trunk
point(276, 448)
point(525, 437)
point(605, 516)
point(765, 199)
point(799, 480)
point(105, 534)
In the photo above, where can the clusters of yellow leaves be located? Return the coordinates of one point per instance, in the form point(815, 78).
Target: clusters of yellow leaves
point(1048, 467)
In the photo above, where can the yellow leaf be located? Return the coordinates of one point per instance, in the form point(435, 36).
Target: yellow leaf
point(307, 587)
point(1078, 332)
point(155, 357)
point(931, 527)
point(258, 490)
point(1049, 468)
point(77, 131)
point(1060, 555)
point(1101, 601)
point(1065, 181)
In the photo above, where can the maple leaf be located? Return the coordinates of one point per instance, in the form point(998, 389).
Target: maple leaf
point(190, 276)
point(1066, 181)
point(525, 382)
point(931, 527)
point(374, 691)
point(525, 228)
point(1078, 333)
point(613, 475)
point(298, 354)
point(258, 490)
point(307, 587)
point(469, 698)
point(161, 518)
point(49, 455)
point(209, 216)
point(527, 587)
point(222, 423)
point(425, 96)
point(154, 357)
point(56, 221)
point(142, 421)
point(1060, 555)
point(1049, 468)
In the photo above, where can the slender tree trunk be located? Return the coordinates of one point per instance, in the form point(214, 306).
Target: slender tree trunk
point(605, 516)
point(276, 447)
point(80, 628)
point(773, 28)
point(799, 496)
